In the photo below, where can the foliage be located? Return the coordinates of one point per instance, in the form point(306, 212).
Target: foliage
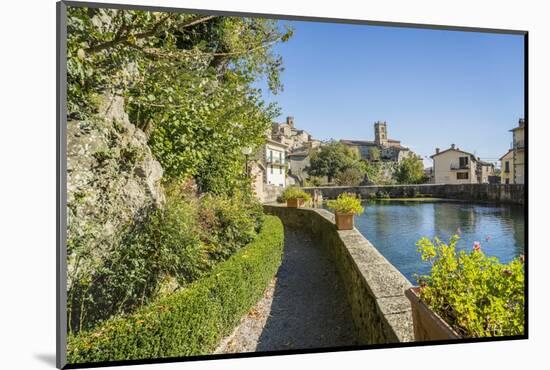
point(374, 154)
point(410, 171)
point(373, 173)
point(227, 223)
point(331, 159)
point(352, 176)
point(382, 194)
point(187, 80)
point(179, 242)
point(191, 321)
point(477, 295)
point(313, 181)
point(346, 203)
point(165, 244)
point(293, 192)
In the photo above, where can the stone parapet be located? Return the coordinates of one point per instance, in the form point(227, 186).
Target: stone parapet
point(374, 287)
point(503, 193)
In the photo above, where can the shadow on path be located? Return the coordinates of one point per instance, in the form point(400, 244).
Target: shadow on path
point(309, 308)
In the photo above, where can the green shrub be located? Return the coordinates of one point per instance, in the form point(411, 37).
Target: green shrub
point(477, 295)
point(346, 203)
point(293, 192)
point(191, 321)
point(165, 244)
point(177, 243)
point(228, 223)
point(352, 176)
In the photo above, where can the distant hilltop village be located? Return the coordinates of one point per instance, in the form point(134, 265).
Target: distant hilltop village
point(292, 137)
point(284, 158)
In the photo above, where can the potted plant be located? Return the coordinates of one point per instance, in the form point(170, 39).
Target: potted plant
point(466, 294)
point(295, 197)
point(345, 206)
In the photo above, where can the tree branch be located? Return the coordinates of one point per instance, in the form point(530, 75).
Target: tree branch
point(120, 37)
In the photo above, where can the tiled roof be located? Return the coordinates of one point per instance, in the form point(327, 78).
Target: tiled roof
point(456, 150)
point(510, 150)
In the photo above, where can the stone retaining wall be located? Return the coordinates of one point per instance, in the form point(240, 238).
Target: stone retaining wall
point(471, 192)
point(374, 287)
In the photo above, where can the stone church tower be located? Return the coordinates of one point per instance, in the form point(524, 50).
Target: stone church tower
point(380, 133)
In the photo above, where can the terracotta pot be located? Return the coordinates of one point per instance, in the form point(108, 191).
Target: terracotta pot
point(344, 221)
point(427, 324)
point(294, 203)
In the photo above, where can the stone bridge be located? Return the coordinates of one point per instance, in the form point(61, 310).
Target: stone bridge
point(470, 192)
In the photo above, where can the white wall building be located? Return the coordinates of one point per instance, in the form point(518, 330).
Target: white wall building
point(454, 166)
point(275, 163)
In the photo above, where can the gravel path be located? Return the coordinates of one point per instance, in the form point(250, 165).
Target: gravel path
point(303, 307)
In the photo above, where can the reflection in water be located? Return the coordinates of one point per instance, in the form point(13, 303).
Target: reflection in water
point(394, 227)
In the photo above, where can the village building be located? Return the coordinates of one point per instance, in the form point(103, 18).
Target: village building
point(268, 170)
point(299, 145)
point(289, 135)
point(275, 163)
point(507, 167)
point(485, 171)
point(454, 166)
point(298, 161)
point(382, 148)
point(513, 162)
point(519, 152)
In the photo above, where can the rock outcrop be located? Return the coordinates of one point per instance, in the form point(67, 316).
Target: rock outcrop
point(112, 181)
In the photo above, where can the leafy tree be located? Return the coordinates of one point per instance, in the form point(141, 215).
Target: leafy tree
point(373, 173)
point(352, 176)
point(374, 154)
point(333, 158)
point(410, 171)
point(187, 80)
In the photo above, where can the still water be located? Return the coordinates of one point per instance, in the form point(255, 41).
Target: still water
point(394, 227)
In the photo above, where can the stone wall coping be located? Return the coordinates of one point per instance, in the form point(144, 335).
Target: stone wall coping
point(484, 193)
point(405, 185)
point(383, 281)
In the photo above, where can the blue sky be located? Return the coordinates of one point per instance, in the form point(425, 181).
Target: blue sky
point(432, 87)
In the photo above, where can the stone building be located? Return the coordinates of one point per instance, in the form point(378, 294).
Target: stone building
point(298, 160)
point(485, 170)
point(382, 148)
point(513, 162)
point(299, 145)
point(289, 135)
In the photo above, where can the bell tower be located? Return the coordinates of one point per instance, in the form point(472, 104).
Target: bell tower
point(380, 133)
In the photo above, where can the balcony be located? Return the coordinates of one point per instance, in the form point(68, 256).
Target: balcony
point(456, 166)
point(275, 161)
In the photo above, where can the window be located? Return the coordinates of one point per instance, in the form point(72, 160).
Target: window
point(462, 175)
point(463, 162)
point(271, 168)
point(280, 170)
point(280, 157)
point(271, 156)
point(507, 167)
point(507, 181)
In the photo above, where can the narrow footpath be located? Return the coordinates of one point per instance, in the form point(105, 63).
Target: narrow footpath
point(304, 306)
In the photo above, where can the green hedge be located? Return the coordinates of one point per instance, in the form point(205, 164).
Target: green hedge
point(194, 320)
